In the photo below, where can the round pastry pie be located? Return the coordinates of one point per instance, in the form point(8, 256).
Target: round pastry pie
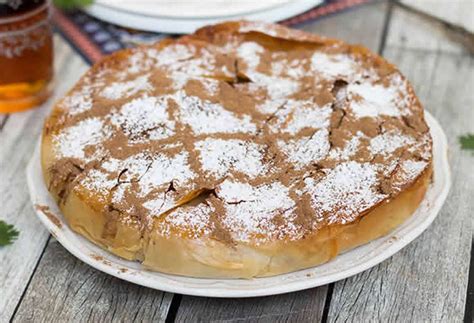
point(243, 150)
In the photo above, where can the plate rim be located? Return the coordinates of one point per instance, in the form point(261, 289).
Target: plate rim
point(188, 25)
point(174, 286)
point(167, 16)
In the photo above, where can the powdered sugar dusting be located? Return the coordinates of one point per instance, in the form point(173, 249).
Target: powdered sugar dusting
point(347, 190)
point(133, 166)
point(250, 53)
point(349, 149)
point(412, 169)
point(260, 27)
point(271, 106)
point(171, 54)
point(194, 220)
point(307, 150)
point(184, 63)
point(372, 100)
point(98, 183)
point(161, 204)
point(218, 157)
point(422, 146)
point(301, 115)
point(78, 101)
point(332, 66)
point(250, 210)
point(119, 90)
point(211, 86)
point(144, 118)
point(205, 117)
point(165, 169)
point(119, 193)
point(137, 62)
point(283, 67)
point(400, 84)
point(277, 87)
point(72, 141)
point(387, 143)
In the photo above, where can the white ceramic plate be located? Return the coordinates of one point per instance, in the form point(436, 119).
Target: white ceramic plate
point(343, 266)
point(193, 9)
point(151, 18)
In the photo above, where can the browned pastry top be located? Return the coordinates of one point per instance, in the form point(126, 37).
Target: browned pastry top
point(243, 132)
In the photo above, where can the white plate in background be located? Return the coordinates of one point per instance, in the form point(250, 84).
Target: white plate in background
point(191, 9)
point(345, 265)
point(151, 18)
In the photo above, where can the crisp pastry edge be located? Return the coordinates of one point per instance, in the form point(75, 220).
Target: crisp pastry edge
point(211, 258)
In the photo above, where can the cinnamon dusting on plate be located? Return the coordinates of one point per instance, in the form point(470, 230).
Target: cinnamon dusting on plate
point(46, 211)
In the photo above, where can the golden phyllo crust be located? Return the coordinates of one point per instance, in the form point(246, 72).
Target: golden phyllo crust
point(243, 150)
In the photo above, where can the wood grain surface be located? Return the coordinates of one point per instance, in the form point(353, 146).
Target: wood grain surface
point(3, 120)
point(18, 137)
point(303, 306)
point(64, 289)
point(426, 281)
point(417, 284)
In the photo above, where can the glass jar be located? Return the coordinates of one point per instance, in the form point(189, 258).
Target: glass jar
point(26, 54)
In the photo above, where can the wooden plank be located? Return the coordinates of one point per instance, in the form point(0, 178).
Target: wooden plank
point(362, 25)
point(64, 289)
point(3, 120)
point(460, 13)
point(416, 32)
point(304, 306)
point(17, 140)
point(426, 281)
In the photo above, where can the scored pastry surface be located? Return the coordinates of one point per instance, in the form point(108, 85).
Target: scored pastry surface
point(229, 147)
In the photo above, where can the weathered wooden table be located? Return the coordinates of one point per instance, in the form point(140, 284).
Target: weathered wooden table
point(426, 281)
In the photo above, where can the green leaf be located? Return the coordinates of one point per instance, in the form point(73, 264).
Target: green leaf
point(71, 4)
point(467, 141)
point(8, 233)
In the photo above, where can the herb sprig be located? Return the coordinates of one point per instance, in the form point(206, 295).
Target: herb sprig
point(467, 141)
point(71, 4)
point(8, 233)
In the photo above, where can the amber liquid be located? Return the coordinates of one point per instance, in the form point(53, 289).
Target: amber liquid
point(26, 55)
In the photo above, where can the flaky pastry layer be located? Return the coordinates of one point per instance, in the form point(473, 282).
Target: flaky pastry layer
point(245, 150)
